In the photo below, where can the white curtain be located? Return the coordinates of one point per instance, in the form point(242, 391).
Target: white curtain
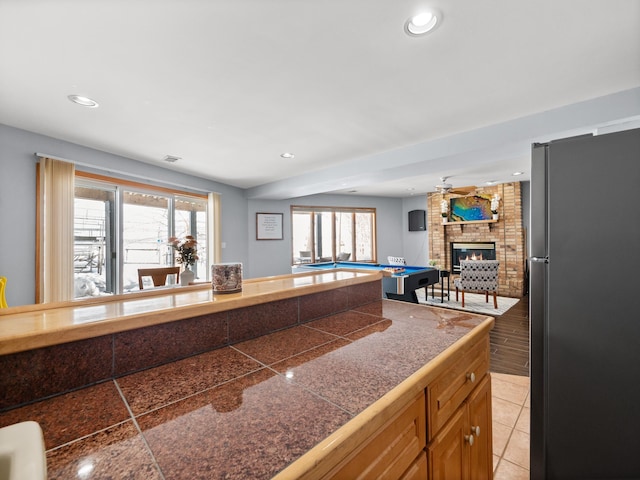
point(215, 243)
point(55, 230)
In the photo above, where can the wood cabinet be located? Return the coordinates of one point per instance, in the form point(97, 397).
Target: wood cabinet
point(480, 421)
point(442, 434)
point(462, 449)
point(396, 451)
point(447, 392)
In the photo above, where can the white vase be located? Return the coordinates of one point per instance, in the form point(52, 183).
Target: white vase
point(495, 216)
point(444, 220)
point(186, 277)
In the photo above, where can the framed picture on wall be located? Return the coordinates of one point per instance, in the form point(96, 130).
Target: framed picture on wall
point(268, 226)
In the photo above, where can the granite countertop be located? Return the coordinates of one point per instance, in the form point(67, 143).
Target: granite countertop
point(386, 361)
point(302, 386)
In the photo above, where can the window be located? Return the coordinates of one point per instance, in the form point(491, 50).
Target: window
point(329, 234)
point(121, 226)
point(93, 240)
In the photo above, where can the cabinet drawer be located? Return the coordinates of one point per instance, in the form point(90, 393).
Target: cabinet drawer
point(448, 391)
point(392, 450)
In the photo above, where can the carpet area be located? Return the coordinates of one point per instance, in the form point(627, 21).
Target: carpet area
point(473, 302)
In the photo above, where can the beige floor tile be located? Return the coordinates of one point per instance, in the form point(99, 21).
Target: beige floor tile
point(517, 450)
point(509, 391)
point(509, 471)
point(504, 412)
point(501, 435)
point(524, 420)
point(511, 423)
point(517, 379)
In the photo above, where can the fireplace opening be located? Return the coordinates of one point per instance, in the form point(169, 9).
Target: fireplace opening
point(471, 251)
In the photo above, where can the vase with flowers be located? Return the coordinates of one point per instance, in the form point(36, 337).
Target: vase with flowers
point(187, 255)
point(444, 210)
point(495, 204)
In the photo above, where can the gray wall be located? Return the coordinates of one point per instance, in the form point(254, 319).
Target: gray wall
point(18, 201)
point(273, 257)
point(415, 244)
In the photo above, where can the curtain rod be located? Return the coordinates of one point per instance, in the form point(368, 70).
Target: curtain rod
point(126, 174)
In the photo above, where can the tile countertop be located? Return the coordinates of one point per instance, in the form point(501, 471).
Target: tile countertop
point(390, 360)
point(313, 389)
point(34, 326)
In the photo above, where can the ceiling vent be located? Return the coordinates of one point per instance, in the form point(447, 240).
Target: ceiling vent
point(171, 159)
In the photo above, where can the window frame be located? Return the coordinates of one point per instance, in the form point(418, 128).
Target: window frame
point(120, 186)
point(314, 210)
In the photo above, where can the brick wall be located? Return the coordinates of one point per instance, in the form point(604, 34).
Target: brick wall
point(507, 233)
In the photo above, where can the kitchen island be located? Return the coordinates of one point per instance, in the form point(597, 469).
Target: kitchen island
point(358, 385)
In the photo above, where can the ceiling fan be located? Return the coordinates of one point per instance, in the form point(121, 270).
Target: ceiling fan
point(445, 187)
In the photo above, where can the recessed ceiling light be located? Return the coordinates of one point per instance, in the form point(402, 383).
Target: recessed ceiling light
point(515, 174)
point(84, 101)
point(491, 182)
point(287, 155)
point(423, 22)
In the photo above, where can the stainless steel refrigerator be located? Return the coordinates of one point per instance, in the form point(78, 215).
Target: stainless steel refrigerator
point(585, 307)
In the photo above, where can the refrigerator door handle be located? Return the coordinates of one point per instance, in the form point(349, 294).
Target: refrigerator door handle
point(540, 259)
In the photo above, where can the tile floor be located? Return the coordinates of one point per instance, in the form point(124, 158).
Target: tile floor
point(510, 426)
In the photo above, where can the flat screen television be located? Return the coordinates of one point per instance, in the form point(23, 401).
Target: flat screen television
point(465, 209)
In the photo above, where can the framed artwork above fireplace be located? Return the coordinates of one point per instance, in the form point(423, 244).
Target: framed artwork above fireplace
point(470, 208)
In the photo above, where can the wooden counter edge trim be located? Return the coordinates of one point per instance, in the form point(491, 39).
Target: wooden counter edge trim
point(74, 332)
point(327, 454)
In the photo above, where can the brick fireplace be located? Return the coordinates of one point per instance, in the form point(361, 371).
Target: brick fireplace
point(507, 234)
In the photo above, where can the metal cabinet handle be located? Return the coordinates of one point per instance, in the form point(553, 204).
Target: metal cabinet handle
point(471, 377)
point(469, 440)
point(475, 430)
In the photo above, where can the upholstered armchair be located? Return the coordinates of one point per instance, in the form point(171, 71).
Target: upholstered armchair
point(478, 276)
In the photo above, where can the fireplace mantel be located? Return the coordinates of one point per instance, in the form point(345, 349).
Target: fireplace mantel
point(467, 222)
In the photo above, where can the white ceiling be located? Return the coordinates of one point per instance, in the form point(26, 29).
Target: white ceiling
point(229, 85)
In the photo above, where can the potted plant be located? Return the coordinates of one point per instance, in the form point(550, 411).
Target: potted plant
point(187, 255)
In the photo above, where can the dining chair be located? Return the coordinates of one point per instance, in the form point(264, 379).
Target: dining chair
point(478, 276)
point(396, 260)
point(3, 299)
point(305, 256)
point(158, 275)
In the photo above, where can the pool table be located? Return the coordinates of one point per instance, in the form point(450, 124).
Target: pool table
point(396, 286)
